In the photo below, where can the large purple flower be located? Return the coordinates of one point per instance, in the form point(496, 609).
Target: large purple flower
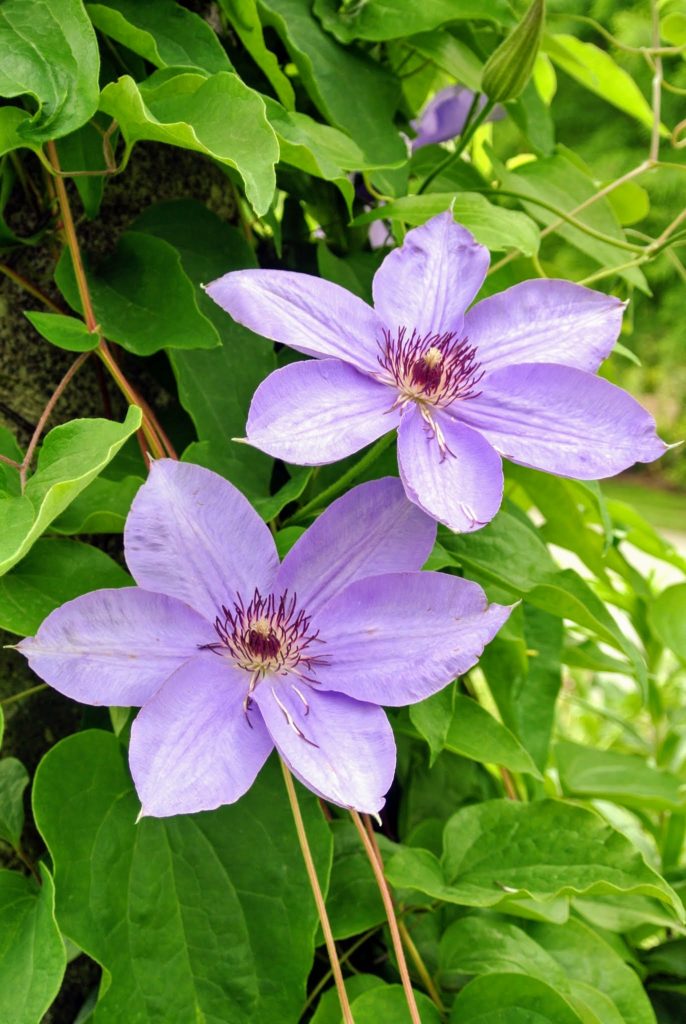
point(514, 376)
point(445, 115)
point(231, 654)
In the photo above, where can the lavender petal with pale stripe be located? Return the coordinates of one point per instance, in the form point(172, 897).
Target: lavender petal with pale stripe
point(231, 654)
point(511, 377)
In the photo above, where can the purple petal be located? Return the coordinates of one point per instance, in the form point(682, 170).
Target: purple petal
point(192, 748)
point(319, 411)
point(397, 639)
point(444, 116)
point(373, 529)
point(192, 535)
point(115, 647)
point(562, 420)
point(342, 749)
point(304, 312)
point(430, 280)
point(463, 489)
point(545, 322)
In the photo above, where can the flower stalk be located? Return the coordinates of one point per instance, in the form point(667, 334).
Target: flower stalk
point(374, 857)
point(318, 896)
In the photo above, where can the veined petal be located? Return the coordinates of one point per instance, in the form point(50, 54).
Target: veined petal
point(341, 748)
point(463, 488)
point(319, 411)
point(397, 639)
point(370, 530)
point(192, 535)
point(193, 747)
point(429, 281)
point(304, 312)
point(545, 321)
point(562, 420)
point(115, 647)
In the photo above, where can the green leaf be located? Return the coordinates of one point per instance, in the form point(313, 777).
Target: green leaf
point(391, 19)
point(218, 116)
point(560, 849)
point(524, 675)
point(316, 148)
point(511, 554)
point(216, 906)
point(246, 22)
point(517, 999)
point(388, 1003)
point(161, 31)
point(63, 331)
point(51, 55)
point(329, 1009)
point(450, 54)
point(493, 226)
point(14, 779)
point(560, 181)
point(141, 296)
point(365, 106)
point(433, 717)
point(32, 955)
point(209, 248)
point(71, 457)
point(571, 958)
point(101, 508)
point(597, 71)
point(631, 203)
point(476, 734)
point(54, 571)
point(624, 778)
point(667, 618)
point(459, 724)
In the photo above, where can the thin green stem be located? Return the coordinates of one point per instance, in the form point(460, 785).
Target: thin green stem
point(24, 693)
point(421, 967)
point(29, 287)
point(374, 857)
point(343, 959)
point(321, 500)
point(473, 122)
point(318, 895)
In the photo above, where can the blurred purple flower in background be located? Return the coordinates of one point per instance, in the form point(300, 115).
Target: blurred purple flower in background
point(231, 654)
point(514, 376)
point(445, 115)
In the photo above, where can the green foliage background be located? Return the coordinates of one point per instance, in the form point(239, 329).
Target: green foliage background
point(535, 836)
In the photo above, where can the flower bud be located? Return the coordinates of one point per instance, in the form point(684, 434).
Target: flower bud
point(509, 68)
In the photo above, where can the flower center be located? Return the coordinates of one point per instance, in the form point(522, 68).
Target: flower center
point(430, 369)
point(268, 636)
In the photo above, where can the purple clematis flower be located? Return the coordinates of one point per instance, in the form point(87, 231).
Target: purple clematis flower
point(444, 116)
point(514, 376)
point(231, 654)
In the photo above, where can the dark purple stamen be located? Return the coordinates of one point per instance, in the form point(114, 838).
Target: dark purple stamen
point(269, 635)
point(435, 368)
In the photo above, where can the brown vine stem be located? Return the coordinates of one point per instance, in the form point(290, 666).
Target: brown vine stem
point(374, 856)
point(45, 416)
point(318, 896)
point(155, 436)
